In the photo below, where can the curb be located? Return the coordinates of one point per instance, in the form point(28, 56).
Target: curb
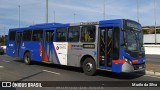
point(152, 73)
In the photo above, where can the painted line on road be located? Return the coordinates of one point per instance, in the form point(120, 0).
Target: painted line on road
point(1, 66)
point(6, 61)
point(51, 72)
point(152, 76)
point(152, 73)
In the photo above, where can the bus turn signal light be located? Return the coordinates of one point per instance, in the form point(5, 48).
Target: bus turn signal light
point(135, 61)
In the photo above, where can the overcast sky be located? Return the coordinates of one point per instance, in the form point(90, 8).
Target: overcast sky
point(33, 11)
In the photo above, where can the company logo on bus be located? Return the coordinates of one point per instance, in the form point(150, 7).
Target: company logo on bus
point(57, 48)
point(60, 47)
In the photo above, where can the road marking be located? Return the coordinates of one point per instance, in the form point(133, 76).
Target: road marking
point(51, 72)
point(1, 67)
point(6, 61)
point(152, 76)
point(147, 75)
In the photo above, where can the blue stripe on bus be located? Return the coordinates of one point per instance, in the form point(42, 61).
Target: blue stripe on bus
point(56, 54)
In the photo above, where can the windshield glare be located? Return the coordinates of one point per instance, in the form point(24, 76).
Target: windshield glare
point(134, 40)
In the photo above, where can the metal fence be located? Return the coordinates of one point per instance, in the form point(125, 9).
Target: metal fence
point(150, 39)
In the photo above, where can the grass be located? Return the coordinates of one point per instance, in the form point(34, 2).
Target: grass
point(153, 67)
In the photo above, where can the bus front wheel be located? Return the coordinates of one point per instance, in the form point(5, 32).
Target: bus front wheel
point(27, 58)
point(89, 67)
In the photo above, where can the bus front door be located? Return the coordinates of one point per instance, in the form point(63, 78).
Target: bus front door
point(18, 43)
point(48, 46)
point(108, 45)
point(106, 51)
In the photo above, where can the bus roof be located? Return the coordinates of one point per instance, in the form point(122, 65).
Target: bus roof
point(56, 25)
point(17, 29)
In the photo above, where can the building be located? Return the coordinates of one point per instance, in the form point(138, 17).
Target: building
point(150, 29)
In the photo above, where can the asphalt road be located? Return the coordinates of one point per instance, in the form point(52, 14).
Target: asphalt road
point(153, 59)
point(12, 69)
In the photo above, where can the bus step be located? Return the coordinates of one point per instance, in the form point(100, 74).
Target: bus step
point(47, 62)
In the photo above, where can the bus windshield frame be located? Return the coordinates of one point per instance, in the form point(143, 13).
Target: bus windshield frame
point(133, 37)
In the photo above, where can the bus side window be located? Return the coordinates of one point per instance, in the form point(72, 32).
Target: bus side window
point(27, 35)
point(37, 35)
point(61, 34)
point(49, 36)
point(12, 35)
point(88, 33)
point(73, 34)
point(116, 40)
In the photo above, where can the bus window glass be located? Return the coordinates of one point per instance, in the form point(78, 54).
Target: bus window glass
point(61, 34)
point(49, 36)
point(37, 35)
point(73, 34)
point(88, 33)
point(27, 35)
point(12, 35)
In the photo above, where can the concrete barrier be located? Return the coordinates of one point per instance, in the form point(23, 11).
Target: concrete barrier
point(152, 49)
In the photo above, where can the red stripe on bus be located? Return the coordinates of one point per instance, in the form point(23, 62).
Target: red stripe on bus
point(118, 61)
point(135, 61)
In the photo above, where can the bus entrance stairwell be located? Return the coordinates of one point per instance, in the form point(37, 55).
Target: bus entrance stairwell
point(106, 51)
point(109, 46)
point(47, 49)
point(18, 43)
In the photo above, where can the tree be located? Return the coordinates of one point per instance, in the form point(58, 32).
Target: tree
point(144, 31)
point(158, 31)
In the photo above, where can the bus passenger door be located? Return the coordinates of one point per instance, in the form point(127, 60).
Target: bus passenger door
point(108, 45)
point(18, 43)
point(47, 54)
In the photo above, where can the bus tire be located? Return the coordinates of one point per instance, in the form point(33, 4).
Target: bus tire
point(27, 58)
point(89, 67)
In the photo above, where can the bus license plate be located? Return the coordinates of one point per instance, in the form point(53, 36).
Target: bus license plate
point(140, 67)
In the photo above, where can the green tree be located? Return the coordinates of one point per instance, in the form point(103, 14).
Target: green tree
point(144, 31)
point(158, 31)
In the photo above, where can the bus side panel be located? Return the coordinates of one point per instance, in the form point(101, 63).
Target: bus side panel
point(74, 54)
point(61, 52)
point(33, 48)
point(77, 50)
point(10, 50)
point(36, 55)
point(25, 46)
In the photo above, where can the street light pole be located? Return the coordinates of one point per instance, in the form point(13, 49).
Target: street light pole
point(104, 9)
point(54, 17)
point(19, 14)
point(155, 21)
point(138, 10)
point(46, 11)
point(74, 17)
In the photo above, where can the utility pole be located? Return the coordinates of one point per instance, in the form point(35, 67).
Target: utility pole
point(46, 11)
point(155, 21)
point(54, 17)
point(19, 14)
point(74, 17)
point(138, 10)
point(4, 36)
point(104, 9)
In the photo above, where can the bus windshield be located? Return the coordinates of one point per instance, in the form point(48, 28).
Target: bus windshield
point(134, 40)
point(133, 36)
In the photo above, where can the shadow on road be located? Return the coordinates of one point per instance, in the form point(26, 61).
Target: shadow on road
point(122, 76)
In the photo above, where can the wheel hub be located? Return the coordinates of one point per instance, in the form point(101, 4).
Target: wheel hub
point(27, 59)
point(89, 66)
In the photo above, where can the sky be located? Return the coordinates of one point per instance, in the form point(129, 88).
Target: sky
point(34, 11)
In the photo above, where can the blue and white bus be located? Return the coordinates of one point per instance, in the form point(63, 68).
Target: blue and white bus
point(112, 45)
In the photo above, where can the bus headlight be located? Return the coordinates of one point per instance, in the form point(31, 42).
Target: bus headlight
point(128, 61)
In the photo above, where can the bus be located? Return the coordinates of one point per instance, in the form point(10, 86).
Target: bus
point(112, 45)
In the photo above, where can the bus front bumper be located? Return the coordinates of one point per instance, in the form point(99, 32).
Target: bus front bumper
point(126, 67)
